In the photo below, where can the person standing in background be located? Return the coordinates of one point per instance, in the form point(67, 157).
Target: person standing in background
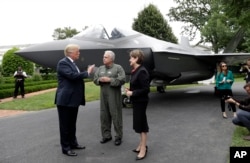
point(70, 94)
point(110, 77)
point(138, 93)
point(245, 68)
point(224, 81)
point(19, 76)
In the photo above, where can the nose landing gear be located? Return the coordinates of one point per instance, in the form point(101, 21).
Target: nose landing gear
point(126, 103)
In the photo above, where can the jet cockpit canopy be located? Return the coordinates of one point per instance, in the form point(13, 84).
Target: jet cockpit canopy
point(99, 32)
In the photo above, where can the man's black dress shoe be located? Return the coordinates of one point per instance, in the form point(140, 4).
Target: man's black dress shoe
point(105, 140)
point(69, 153)
point(118, 141)
point(78, 147)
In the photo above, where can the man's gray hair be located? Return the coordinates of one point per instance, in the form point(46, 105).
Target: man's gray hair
point(111, 54)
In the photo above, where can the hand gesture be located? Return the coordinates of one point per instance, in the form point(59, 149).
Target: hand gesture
point(230, 100)
point(91, 68)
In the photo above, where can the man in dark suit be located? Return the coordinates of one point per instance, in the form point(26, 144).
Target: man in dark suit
point(69, 96)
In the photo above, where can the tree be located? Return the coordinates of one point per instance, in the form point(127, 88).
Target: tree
point(194, 14)
point(239, 10)
point(219, 29)
point(67, 32)
point(11, 62)
point(211, 19)
point(151, 22)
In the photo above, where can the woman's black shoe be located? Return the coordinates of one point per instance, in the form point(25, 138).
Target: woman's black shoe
point(140, 158)
point(134, 150)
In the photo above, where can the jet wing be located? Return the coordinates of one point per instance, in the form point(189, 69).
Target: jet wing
point(165, 61)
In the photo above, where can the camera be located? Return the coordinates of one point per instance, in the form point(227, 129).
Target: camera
point(226, 97)
point(19, 73)
point(242, 64)
point(243, 67)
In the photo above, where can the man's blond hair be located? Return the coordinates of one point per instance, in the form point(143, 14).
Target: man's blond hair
point(70, 48)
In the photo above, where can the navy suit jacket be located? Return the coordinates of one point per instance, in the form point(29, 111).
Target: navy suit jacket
point(71, 87)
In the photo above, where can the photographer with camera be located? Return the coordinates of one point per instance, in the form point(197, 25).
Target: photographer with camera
point(20, 75)
point(243, 114)
point(224, 81)
point(245, 68)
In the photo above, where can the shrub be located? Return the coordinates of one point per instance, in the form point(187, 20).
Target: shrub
point(37, 77)
point(51, 76)
point(11, 61)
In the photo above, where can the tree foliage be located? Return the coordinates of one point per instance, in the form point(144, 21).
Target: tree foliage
point(219, 29)
point(238, 9)
point(66, 32)
point(193, 13)
point(11, 62)
point(218, 22)
point(151, 22)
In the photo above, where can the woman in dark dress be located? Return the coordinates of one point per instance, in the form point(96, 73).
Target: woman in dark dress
point(138, 93)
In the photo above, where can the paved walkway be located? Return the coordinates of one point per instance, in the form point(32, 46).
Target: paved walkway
point(186, 125)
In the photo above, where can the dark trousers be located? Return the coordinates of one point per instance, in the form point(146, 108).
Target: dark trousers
point(67, 125)
point(242, 119)
point(19, 84)
point(222, 94)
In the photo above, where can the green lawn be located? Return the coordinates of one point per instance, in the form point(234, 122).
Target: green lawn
point(46, 100)
point(238, 134)
point(34, 103)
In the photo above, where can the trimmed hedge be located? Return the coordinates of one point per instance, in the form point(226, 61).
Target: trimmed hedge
point(7, 89)
point(8, 92)
point(27, 84)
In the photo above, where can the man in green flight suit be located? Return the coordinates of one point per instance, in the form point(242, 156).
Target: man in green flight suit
point(110, 77)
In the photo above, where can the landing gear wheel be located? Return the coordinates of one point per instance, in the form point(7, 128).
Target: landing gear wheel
point(125, 101)
point(161, 89)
